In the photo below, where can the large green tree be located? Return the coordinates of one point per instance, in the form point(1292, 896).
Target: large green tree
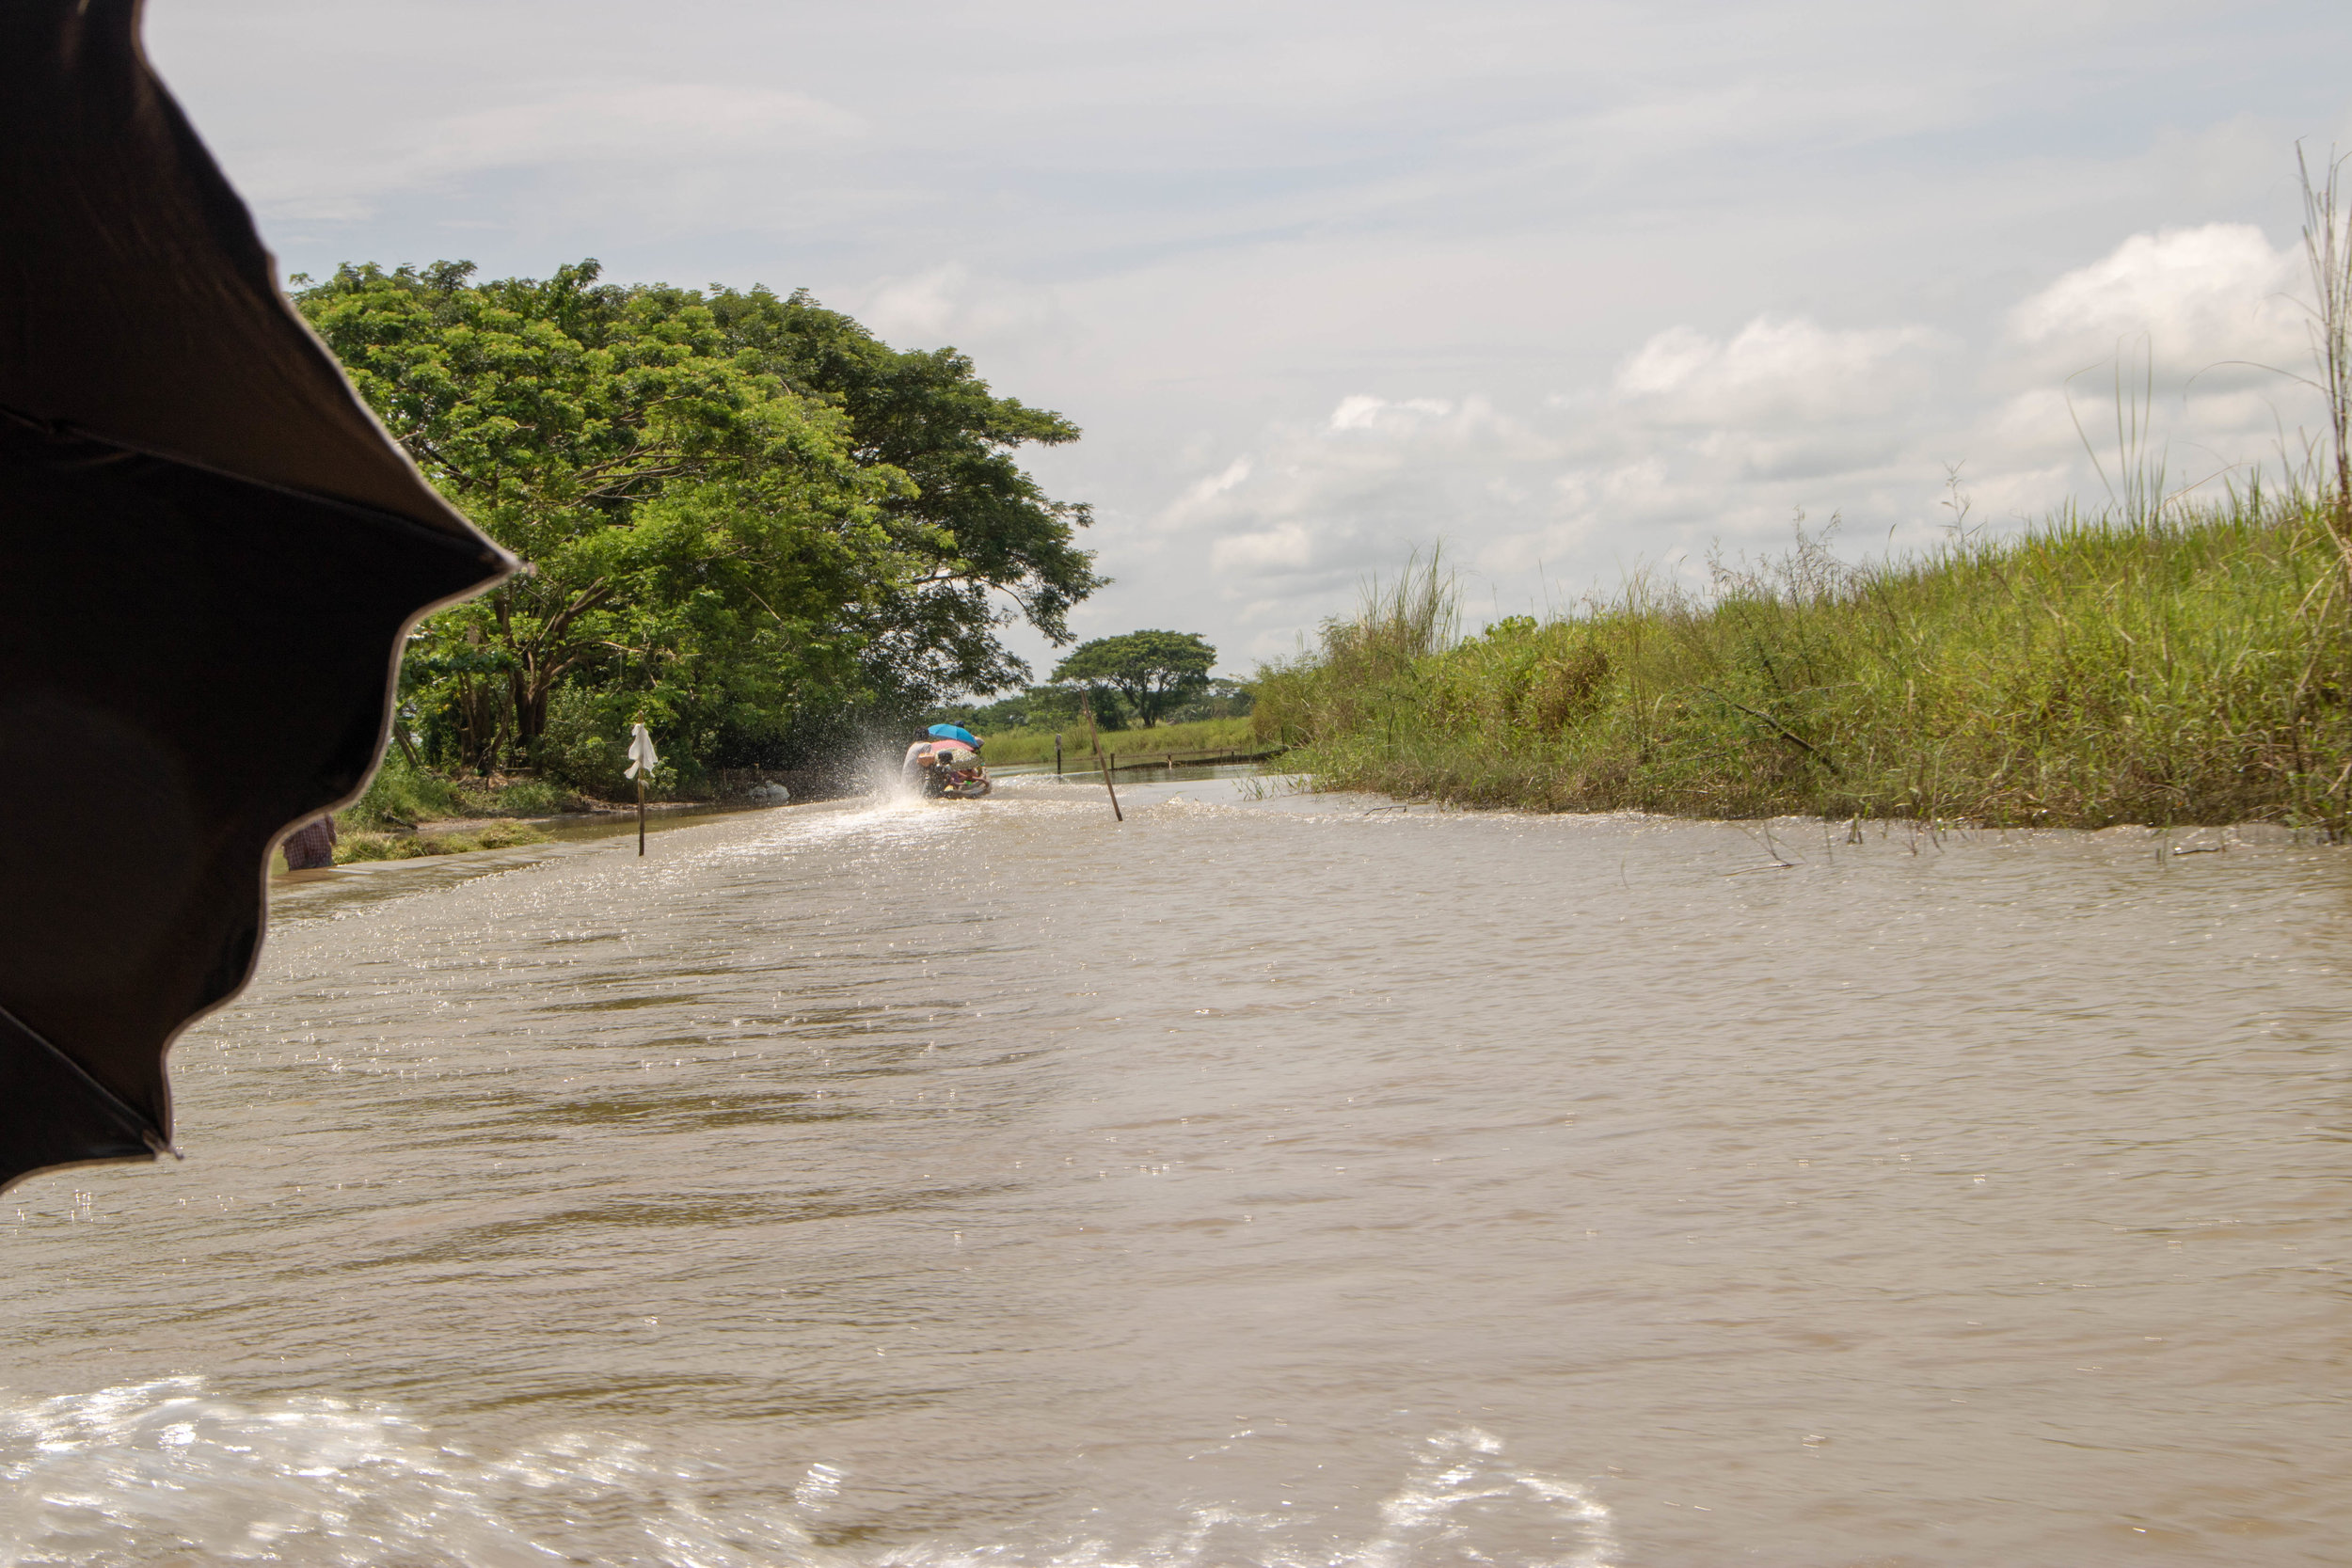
point(739, 508)
point(993, 546)
point(1155, 670)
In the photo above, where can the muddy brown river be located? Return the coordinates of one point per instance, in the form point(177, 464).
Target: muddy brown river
point(1290, 1181)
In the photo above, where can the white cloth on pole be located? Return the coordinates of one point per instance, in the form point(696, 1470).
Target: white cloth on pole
point(641, 759)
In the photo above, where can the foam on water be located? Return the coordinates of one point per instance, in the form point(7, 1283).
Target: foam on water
point(165, 1472)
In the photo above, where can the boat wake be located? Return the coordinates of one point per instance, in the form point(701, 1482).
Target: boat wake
point(168, 1472)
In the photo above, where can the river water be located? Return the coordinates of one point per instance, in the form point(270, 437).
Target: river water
point(1282, 1182)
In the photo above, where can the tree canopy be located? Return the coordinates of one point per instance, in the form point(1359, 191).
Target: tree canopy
point(743, 512)
point(1154, 671)
point(978, 521)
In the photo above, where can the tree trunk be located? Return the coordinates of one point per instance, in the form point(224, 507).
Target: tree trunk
point(478, 724)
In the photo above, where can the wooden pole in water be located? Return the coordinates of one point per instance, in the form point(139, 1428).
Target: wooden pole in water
point(640, 815)
point(1116, 813)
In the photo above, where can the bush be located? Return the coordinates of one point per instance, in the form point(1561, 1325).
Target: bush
point(536, 798)
point(584, 746)
point(401, 796)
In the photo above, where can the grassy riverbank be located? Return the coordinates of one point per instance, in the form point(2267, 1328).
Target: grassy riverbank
point(384, 823)
point(2193, 670)
point(1008, 747)
point(366, 845)
point(400, 797)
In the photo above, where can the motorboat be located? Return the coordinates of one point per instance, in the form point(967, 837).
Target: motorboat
point(946, 769)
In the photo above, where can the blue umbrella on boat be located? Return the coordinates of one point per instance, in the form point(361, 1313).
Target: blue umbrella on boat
point(954, 732)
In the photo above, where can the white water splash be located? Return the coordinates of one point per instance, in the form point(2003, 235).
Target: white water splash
point(1462, 1487)
point(162, 1472)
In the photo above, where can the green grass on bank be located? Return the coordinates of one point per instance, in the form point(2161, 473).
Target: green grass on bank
point(400, 797)
point(2087, 674)
point(380, 825)
point(366, 845)
point(1008, 747)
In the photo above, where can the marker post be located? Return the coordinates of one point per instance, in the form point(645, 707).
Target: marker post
point(642, 761)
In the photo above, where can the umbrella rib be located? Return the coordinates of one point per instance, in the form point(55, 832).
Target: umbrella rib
point(396, 522)
point(147, 1130)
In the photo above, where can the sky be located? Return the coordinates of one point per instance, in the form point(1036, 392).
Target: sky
point(1569, 290)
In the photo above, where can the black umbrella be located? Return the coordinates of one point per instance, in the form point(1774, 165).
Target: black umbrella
point(210, 553)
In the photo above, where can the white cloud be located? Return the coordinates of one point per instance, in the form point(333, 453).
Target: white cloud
point(1288, 547)
point(925, 307)
point(1216, 484)
point(1360, 412)
point(2195, 333)
point(951, 304)
point(2199, 296)
point(1775, 373)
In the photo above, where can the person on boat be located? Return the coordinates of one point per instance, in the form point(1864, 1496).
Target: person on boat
point(935, 759)
point(941, 743)
point(930, 752)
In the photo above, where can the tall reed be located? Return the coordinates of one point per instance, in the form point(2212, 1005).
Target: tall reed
point(2327, 255)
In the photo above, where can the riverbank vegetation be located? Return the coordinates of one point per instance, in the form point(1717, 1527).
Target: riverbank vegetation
point(1009, 747)
point(2191, 665)
point(366, 845)
point(402, 795)
point(749, 523)
point(1068, 704)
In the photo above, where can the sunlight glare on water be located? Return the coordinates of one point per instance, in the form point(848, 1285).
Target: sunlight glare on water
point(1283, 1180)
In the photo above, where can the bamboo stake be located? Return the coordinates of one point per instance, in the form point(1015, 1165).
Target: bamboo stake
point(1116, 813)
point(640, 815)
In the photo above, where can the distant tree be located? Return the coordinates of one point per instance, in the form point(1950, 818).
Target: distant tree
point(1154, 671)
point(1010, 713)
point(1070, 702)
point(1220, 699)
point(1035, 706)
point(1041, 708)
